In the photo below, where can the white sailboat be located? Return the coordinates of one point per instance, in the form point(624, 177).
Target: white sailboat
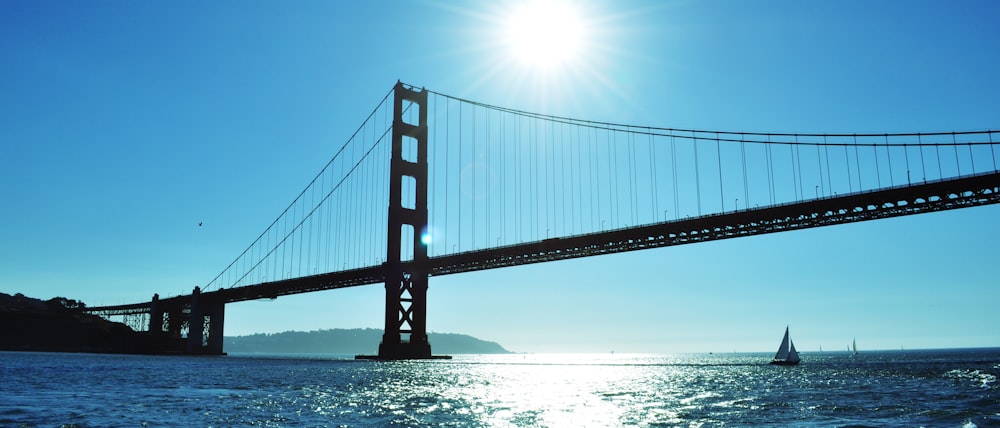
point(854, 346)
point(786, 356)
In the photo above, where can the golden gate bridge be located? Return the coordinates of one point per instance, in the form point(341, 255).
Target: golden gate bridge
point(430, 184)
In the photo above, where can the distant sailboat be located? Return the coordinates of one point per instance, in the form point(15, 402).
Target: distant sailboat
point(786, 356)
point(854, 346)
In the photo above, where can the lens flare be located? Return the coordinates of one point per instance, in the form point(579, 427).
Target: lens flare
point(545, 33)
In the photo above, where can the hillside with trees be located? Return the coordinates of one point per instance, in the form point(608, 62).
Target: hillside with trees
point(59, 324)
point(350, 341)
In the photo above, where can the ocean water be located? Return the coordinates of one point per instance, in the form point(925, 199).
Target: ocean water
point(945, 388)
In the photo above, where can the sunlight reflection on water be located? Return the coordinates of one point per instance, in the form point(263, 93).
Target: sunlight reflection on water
point(502, 390)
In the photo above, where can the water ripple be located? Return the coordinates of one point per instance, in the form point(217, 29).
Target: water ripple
point(911, 389)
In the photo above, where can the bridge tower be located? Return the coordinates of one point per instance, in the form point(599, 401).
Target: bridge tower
point(405, 334)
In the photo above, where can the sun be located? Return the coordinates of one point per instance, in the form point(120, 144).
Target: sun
point(545, 34)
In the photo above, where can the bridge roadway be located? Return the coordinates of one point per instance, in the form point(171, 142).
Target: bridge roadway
point(962, 192)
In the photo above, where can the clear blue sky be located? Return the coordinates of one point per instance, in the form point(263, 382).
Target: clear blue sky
point(123, 125)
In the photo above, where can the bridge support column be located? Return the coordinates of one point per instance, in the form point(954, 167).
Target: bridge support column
point(405, 334)
point(217, 320)
point(196, 324)
point(155, 317)
point(207, 318)
point(156, 339)
point(166, 337)
point(175, 322)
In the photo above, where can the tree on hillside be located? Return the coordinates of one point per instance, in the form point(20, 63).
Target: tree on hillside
point(64, 303)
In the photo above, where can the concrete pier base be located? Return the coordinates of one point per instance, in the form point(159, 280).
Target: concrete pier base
point(403, 351)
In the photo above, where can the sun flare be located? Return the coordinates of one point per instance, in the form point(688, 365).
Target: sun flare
point(545, 34)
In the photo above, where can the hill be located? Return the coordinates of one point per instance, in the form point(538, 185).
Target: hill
point(351, 341)
point(59, 324)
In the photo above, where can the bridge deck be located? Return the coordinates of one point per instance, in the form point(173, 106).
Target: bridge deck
point(963, 192)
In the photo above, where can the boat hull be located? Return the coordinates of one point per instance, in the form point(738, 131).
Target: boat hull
point(784, 363)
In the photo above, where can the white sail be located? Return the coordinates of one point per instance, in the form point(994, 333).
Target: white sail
point(783, 348)
point(793, 357)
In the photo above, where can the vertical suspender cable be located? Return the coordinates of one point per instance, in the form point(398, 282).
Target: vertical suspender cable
point(447, 166)
point(331, 227)
point(548, 165)
point(972, 160)
point(363, 204)
point(312, 202)
point(284, 231)
point(892, 179)
point(857, 158)
point(264, 258)
point(992, 151)
point(352, 218)
point(459, 164)
point(819, 165)
point(743, 157)
point(795, 171)
point(558, 179)
point(432, 249)
point(503, 177)
point(697, 174)
point(290, 242)
point(475, 158)
point(563, 166)
point(488, 179)
point(652, 172)
point(364, 188)
point(358, 220)
point(319, 227)
point(673, 170)
point(937, 152)
point(612, 179)
point(878, 173)
point(634, 178)
point(770, 172)
point(537, 175)
point(612, 183)
point(579, 176)
point(957, 163)
point(847, 161)
point(718, 158)
point(906, 156)
point(923, 168)
point(826, 151)
point(373, 203)
point(550, 177)
point(331, 231)
point(593, 166)
point(361, 245)
point(798, 161)
point(519, 176)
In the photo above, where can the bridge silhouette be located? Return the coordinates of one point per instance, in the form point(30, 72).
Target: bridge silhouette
point(432, 184)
